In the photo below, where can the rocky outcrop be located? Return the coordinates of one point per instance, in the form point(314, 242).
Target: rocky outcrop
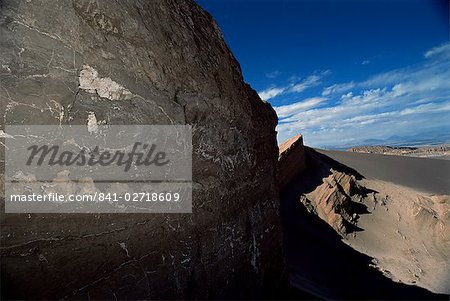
point(291, 160)
point(142, 62)
point(324, 187)
point(332, 200)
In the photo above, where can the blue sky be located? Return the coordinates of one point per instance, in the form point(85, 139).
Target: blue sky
point(344, 72)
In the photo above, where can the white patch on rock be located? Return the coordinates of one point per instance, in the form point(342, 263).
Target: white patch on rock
point(123, 246)
point(104, 86)
point(92, 125)
point(22, 177)
point(6, 67)
point(4, 135)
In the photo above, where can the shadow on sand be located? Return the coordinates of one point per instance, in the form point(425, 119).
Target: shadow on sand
point(319, 262)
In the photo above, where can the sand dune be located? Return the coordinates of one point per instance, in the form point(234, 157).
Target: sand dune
point(408, 234)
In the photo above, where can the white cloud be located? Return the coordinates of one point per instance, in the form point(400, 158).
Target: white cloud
point(338, 88)
point(426, 108)
point(288, 110)
point(271, 93)
point(365, 62)
point(443, 49)
point(402, 102)
point(298, 85)
point(310, 81)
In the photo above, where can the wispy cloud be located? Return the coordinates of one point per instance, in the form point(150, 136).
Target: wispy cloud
point(297, 85)
point(404, 101)
point(288, 110)
point(337, 88)
point(271, 93)
point(310, 81)
point(273, 74)
point(365, 62)
point(443, 49)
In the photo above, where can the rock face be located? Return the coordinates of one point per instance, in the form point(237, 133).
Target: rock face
point(291, 160)
point(142, 62)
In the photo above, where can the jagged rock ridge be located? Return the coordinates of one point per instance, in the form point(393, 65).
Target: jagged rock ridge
point(333, 201)
point(291, 160)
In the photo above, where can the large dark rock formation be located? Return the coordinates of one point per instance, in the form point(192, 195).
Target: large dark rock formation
point(141, 62)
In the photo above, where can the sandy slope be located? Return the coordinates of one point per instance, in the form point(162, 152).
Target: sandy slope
point(409, 231)
point(399, 244)
point(408, 234)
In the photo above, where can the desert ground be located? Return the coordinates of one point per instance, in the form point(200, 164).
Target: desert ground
point(421, 174)
point(379, 224)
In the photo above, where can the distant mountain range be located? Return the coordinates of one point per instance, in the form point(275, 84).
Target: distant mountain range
point(417, 140)
point(435, 151)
